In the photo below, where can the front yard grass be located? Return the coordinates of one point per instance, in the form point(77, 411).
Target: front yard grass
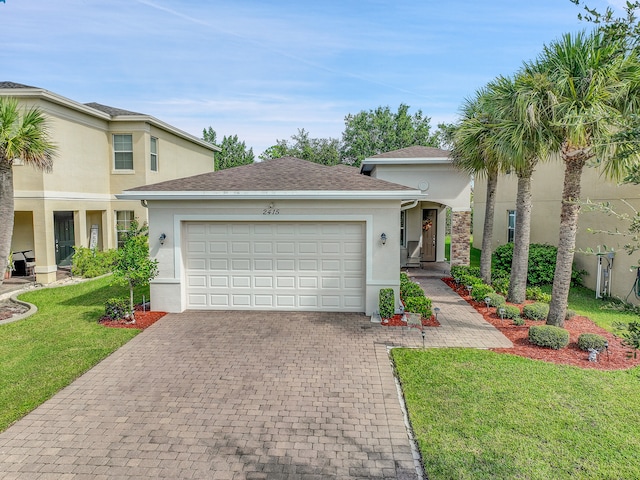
point(44, 353)
point(477, 414)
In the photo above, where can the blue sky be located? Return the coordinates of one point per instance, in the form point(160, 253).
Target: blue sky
point(263, 69)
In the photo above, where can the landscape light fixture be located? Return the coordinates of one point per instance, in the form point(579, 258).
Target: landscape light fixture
point(487, 300)
point(436, 310)
point(502, 312)
point(162, 238)
point(383, 238)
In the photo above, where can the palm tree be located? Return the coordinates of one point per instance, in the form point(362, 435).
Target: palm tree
point(473, 152)
point(23, 136)
point(594, 84)
point(523, 105)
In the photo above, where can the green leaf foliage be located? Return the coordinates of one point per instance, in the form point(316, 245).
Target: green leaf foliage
point(496, 300)
point(421, 305)
point(90, 263)
point(536, 311)
point(549, 336)
point(481, 291)
point(116, 308)
point(386, 302)
point(325, 151)
point(593, 341)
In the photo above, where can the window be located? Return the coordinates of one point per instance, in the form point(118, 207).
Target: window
point(123, 224)
point(403, 228)
point(123, 152)
point(511, 226)
point(154, 154)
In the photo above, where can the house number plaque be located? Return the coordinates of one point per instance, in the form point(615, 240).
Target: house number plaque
point(271, 210)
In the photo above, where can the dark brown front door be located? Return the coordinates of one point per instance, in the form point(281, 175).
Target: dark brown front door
point(429, 222)
point(64, 237)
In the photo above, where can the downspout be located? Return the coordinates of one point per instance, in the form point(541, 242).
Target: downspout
point(406, 206)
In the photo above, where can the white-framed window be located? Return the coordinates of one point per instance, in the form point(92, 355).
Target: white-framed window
point(123, 224)
point(403, 228)
point(511, 225)
point(123, 152)
point(153, 161)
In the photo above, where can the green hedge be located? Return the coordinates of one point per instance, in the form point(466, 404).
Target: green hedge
point(386, 302)
point(536, 311)
point(549, 336)
point(90, 263)
point(421, 305)
point(587, 341)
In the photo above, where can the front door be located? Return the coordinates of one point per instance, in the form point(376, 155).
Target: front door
point(64, 237)
point(429, 222)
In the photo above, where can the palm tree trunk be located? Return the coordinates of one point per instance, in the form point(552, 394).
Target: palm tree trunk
point(567, 238)
point(487, 232)
point(520, 262)
point(6, 214)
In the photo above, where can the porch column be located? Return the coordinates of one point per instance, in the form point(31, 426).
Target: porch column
point(460, 237)
point(44, 243)
point(80, 228)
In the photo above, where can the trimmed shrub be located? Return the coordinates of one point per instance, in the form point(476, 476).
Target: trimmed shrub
point(411, 290)
point(470, 280)
point(570, 314)
point(518, 321)
point(116, 308)
point(480, 291)
point(421, 305)
point(536, 293)
point(541, 265)
point(587, 341)
point(459, 270)
point(404, 278)
point(386, 302)
point(511, 311)
point(536, 311)
point(549, 336)
point(497, 300)
point(90, 263)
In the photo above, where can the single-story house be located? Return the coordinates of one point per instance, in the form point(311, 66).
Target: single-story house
point(288, 234)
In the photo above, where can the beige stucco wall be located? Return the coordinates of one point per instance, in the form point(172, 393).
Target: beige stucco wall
point(545, 221)
point(382, 261)
point(83, 179)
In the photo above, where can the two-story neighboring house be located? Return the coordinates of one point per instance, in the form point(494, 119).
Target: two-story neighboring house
point(101, 151)
point(609, 276)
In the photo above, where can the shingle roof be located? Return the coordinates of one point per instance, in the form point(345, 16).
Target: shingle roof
point(414, 152)
point(113, 111)
point(13, 85)
point(280, 174)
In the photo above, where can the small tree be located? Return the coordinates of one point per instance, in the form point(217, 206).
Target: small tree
point(132, 265)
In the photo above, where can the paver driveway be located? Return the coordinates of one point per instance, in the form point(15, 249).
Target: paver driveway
point(226, 395)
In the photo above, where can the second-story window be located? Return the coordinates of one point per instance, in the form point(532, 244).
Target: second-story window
point(154, 154)
point(123, 152)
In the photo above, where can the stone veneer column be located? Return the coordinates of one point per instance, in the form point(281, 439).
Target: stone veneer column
point(460, 237)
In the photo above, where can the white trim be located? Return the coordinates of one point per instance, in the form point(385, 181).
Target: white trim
point(384, 283)
point(284, 194)
point(54, 195)
point(46, 268)
point(407, 161)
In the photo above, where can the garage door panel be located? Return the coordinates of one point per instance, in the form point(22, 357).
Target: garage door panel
point(275, 265)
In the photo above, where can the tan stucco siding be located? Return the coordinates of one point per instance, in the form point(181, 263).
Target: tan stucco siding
point(545, 221)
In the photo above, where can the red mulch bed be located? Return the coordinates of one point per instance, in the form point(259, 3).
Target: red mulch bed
point(396, 321)
point(144, 319)
point(617, 358)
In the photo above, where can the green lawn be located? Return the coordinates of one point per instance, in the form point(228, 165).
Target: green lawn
point(42, 354)
point(477, 414)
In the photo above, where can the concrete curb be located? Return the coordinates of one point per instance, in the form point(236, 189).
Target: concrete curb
point(32, 309)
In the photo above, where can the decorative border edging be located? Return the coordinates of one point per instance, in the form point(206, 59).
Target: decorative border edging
point(32, 309)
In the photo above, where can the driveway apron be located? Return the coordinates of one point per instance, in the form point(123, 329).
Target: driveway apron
point(229, 395)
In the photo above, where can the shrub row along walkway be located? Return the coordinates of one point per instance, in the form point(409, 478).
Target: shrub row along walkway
point(238, 395)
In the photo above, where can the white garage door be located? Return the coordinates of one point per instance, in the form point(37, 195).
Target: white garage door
point(275, 266)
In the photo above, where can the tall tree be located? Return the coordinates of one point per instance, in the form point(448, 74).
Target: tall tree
point(381, 130)
point(325, 151)
point(24, 136)
point(473, 151)
point(523, 106)
point(234, 152)
point(594, 83)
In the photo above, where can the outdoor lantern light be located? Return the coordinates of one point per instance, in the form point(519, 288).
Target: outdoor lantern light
point(502, 311)
point(436, 310)
point(163, 237)
point(487, 300)
point(383, 238)
point(469, 288)
point(422, 338)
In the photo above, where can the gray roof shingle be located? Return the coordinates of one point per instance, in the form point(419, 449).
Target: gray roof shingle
point(280, 174)
point(14, 85)
point(113, 111)
point(414, 152)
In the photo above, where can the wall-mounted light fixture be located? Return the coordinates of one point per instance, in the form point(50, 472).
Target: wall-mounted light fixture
point(383, 238)
point(162, 238)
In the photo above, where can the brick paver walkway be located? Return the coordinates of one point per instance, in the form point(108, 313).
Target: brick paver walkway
point(237, 395)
